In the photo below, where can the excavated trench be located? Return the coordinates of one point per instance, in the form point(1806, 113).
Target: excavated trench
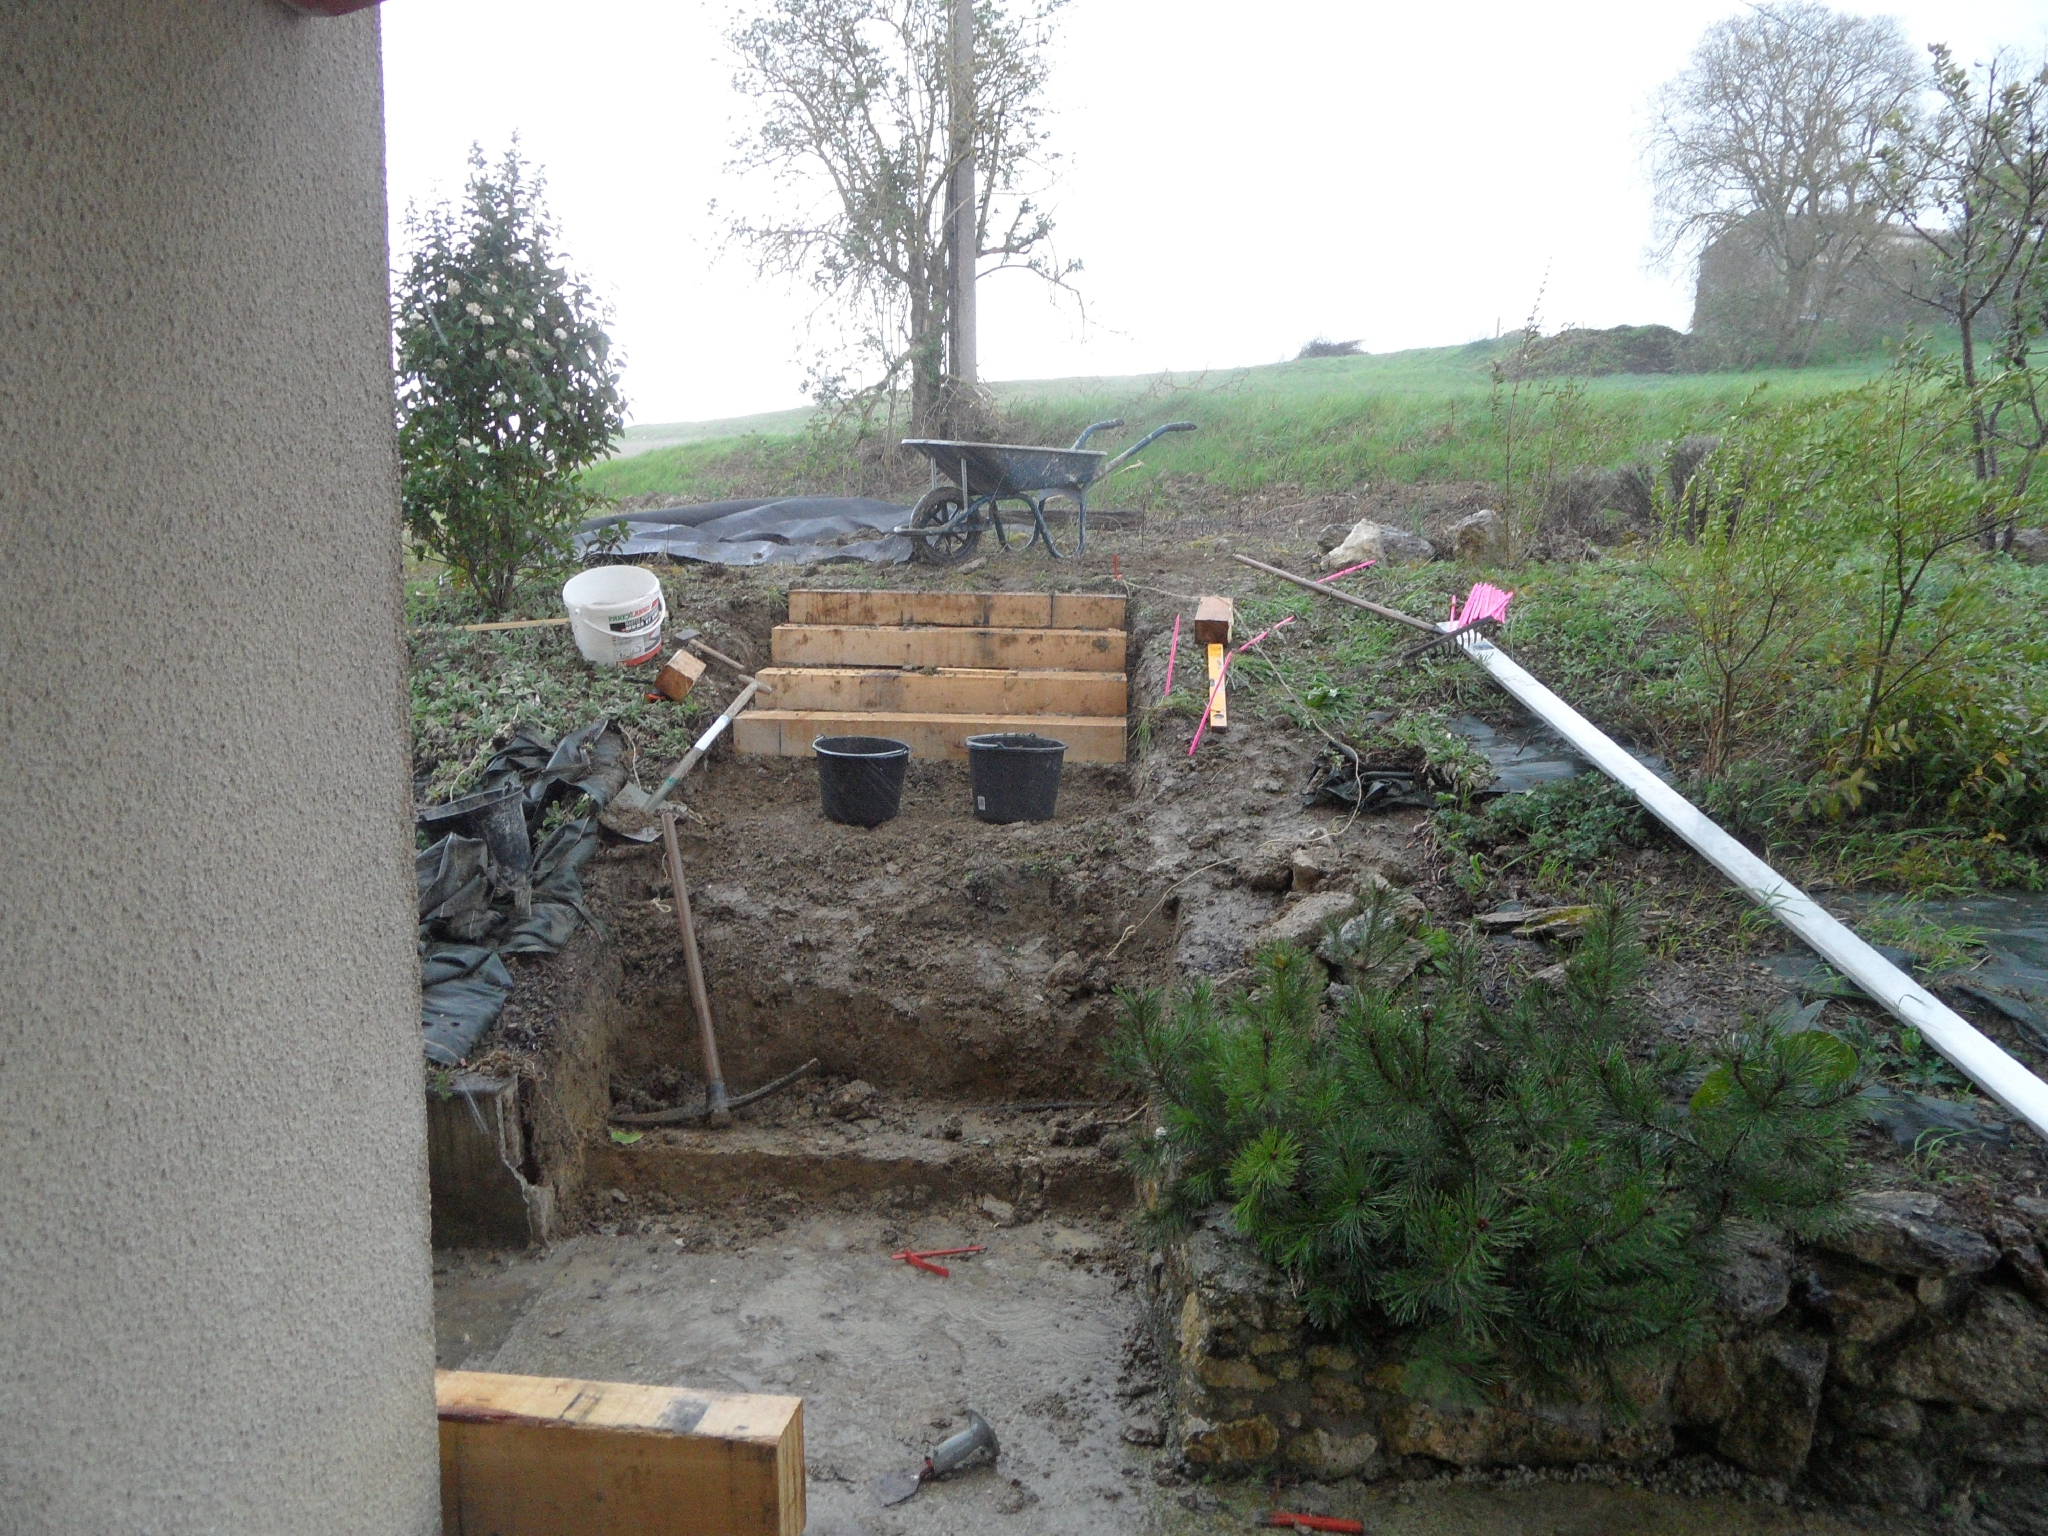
point(949, 976)
point(955, 982)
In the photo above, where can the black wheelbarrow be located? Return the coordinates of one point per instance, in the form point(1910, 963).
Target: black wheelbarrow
point(978, 481)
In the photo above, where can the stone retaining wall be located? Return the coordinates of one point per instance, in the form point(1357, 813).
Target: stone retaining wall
point(1903, 1363)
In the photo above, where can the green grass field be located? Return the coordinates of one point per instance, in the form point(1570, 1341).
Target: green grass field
point(1328, 424)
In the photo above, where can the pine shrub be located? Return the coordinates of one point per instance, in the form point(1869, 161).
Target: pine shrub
point(1518, 1189)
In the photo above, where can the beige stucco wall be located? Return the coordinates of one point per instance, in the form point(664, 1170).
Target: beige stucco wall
point(214, 1292)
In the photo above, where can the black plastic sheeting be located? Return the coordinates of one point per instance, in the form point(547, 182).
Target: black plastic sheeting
point(1524, 757)
point(789, 530)
point(469, 917)
point(2009, 976)
point(1529, 755)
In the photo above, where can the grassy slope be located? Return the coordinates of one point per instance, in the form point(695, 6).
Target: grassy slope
point(1324, 425)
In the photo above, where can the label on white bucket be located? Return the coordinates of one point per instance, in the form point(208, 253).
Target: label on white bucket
point(638, 623)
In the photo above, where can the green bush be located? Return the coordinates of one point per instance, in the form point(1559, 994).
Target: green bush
point(1517, 1188)
point(506, 385)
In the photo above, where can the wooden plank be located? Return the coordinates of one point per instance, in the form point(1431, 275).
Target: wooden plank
point(1039, 650)
point(789, 732)
point(953, 691)
point(1219, 706)
point(496, 624)
point(987, 610)
point(1088, 610)
point(1002, 610)
point(546, 1456)
point(1215, 618)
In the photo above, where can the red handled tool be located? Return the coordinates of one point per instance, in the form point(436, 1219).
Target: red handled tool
point(940, 1270)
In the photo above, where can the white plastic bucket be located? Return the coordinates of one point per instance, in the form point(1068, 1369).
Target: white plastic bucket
point(616, 613)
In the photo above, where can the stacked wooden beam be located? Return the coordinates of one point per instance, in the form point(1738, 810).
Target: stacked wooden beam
point(933, 668)
point(541, 1456)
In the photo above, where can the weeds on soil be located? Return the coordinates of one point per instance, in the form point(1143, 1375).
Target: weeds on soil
point(1514, 1187)
point(470, 690)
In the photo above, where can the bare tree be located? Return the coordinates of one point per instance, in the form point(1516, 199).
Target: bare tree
point(1777, 138)
point(852, 123)
point(1974, 185)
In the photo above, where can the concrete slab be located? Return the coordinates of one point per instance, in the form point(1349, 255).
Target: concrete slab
point(1032, 1334)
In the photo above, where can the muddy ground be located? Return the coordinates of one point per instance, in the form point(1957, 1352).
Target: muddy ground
point(1041, 1334)
point(948, 962)
point(953, 980)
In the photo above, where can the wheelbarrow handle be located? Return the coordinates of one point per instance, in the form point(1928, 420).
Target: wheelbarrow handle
point(1090, 431)
point(1154, 434)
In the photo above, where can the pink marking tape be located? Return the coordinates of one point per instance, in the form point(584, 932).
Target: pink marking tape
point(1224, 671)
point(1485, 601)
point(1348, 570)
point(1172, 651)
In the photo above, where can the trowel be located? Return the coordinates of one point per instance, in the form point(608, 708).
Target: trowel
point(895, 1487)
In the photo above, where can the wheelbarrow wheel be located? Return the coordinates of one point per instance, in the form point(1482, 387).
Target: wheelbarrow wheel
point(953, 538)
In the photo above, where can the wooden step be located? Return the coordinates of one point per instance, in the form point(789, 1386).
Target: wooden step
point(985, 610)
point(952, 691)
point(789, 732)
point(1038, 650)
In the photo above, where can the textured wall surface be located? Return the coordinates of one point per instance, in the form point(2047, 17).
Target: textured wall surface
point(214, 1291)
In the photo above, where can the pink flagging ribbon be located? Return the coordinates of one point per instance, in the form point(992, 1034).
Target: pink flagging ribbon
point(1222, 672)
point(1172, 651)
point(1349, 569)
point(1484, 602)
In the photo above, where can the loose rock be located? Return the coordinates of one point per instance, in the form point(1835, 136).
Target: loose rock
point(1861, 1305)
point(1001, 1212)
point(856, 1101)
point(1996, 1360)
point(1482, 536)
point(1369, 540)
point(1770, 1430)
point(1143, 1429)
point(1323, 1455)
point(1270, 867)
point(1308, 867)
point(1753, 1281)
point(1303, 922)
point(2030, 546)
point(1912, 1233)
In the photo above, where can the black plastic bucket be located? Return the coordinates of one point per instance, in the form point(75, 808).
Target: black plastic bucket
point(498, 816)
point(1016, 775)
point(860, 778)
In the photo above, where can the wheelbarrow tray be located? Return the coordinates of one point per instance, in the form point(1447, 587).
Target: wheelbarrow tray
point(1012, 469)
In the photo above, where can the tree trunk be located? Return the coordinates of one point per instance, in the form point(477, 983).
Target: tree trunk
point(927, 360)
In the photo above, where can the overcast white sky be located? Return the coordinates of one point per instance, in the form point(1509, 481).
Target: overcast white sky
point(1237, 177)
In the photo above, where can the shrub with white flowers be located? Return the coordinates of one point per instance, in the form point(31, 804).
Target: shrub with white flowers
point(506, 384)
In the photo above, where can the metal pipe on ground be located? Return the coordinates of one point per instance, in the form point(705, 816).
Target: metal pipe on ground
point(1962, 1043)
